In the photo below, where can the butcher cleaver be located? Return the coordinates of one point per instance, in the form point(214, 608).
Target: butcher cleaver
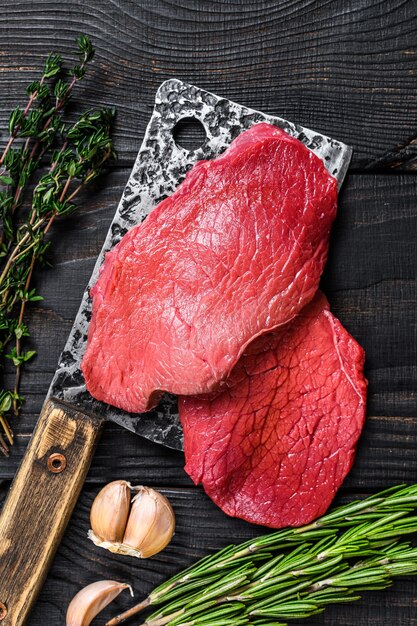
point(54, 467)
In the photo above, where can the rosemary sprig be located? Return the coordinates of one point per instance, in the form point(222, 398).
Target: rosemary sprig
point(73, 155)
point(296, 572)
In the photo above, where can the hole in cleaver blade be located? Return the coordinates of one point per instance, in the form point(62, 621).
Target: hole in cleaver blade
point(160, 166)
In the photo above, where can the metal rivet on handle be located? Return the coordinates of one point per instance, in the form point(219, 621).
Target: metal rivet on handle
point(57, 463)
point(3, 611)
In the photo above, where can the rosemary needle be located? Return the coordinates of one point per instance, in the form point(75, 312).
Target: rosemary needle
point(296, 572)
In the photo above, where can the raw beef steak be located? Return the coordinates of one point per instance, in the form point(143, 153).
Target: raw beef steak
point(275, 443)
point(237, 250)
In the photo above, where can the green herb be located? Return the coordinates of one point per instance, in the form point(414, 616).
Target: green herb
point(59, 159)
point(294, 573)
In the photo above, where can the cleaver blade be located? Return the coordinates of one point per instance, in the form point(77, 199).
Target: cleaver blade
point(50, 478)
point(160, 166)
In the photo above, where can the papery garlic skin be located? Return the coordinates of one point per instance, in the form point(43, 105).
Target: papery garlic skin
point(148, 525)
point(151, 523)
point(110, 511)
point(88, 602)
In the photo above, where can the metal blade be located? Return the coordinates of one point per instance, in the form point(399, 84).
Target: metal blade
point(160, 166)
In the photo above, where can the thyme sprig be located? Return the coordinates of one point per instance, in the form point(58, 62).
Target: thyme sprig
point(293, 573)
point(58, 159)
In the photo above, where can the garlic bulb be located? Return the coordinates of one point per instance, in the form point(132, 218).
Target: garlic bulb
point(142, 528)
point(91, 600)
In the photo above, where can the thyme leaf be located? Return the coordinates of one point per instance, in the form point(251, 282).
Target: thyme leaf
point(73, 154)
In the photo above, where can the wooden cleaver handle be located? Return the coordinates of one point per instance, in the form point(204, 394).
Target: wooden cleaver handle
point(40, 503)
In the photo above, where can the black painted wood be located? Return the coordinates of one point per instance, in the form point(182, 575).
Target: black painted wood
point(201, 527)
point(344, 68)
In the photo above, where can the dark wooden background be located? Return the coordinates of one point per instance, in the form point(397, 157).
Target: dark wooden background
point(344, 67)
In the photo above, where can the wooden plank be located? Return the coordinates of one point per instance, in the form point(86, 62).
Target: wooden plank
point(344, 68)
point(201, 528)
point(386, 456)
point(371, 283)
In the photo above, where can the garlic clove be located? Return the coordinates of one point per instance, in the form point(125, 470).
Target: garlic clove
point(151, 523)
point(88, 602)
point(140, 529)
point(110, 512)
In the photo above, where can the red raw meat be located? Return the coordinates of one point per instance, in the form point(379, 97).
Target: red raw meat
point(237, 250)
point(275, 443)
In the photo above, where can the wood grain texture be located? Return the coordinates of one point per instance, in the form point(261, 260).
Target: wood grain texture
point(342, 67)
point(40, 503)
point(201, 527)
